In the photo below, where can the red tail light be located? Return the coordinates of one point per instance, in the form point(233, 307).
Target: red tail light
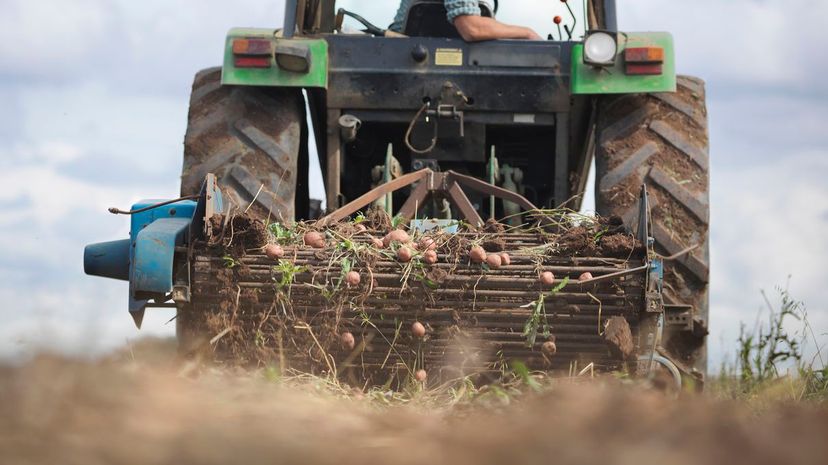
point(253, 62)
point(253, 53)
point(646, 61)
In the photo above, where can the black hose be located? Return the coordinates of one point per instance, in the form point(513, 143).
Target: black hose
point(408, 132)
point(116, 211)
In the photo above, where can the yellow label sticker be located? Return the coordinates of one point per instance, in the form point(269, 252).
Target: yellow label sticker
point(448, 57)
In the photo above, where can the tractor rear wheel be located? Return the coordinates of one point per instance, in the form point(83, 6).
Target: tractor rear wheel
point(661, 140)
point(254, 140)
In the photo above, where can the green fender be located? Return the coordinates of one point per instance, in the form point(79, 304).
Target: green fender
point(316, 75)
point(587, 79)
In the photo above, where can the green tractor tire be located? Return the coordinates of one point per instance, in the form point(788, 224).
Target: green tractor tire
point(661, 140)
point(254, 140)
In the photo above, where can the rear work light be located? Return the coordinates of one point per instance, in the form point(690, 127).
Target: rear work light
point(644, 61)
point(253, 53)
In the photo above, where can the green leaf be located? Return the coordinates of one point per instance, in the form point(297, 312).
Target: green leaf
point(229, 262)
point(522, 371)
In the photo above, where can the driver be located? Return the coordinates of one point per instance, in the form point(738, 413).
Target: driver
point(465, 15)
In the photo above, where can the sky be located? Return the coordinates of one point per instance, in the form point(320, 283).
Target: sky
point(93, 107)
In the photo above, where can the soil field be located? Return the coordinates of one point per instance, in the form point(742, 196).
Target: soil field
point(143, 407)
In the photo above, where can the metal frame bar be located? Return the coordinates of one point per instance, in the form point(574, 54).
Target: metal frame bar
point(334, 160)
point(561, 159)
point(290, 19)
point(448, 184)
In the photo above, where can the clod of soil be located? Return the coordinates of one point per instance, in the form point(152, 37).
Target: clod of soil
point(418, 330)
point(494, 261)
point(242, 233)
point(377, 219)
point(404, 254)
point(396, 236)
point(421, 376)
point(274, 251)
point(430, 257)
point(505, 259)
point(618, 245)
point(494, 244)
point(493, 227)
point(314, 239)
point(477, 254)
point(586, 276)
point(353, 278)
point(347, 340)
point(618, 336)
point(578, 241)
point(547, 278)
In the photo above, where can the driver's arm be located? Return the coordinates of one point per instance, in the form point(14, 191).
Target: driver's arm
point(465, 14)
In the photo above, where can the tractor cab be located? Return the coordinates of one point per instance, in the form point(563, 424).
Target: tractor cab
point(427, 18)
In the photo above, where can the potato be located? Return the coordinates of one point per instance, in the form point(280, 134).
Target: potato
point(418, 330)
point(428, 243)
point(549, 348)
point(353, 278)
point(505, 259)
point(421, 376)
point(376, 242)
point(274, 251)
point(430, 257)
point(547, 278)
point(397, 235)
point(314, 239)
point(586, 276)
point(477, 254)
point(404, 254)
point(347, 340)
point(494, 261)
point(361, 228)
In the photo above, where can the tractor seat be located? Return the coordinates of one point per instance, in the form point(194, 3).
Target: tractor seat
point(427, 18)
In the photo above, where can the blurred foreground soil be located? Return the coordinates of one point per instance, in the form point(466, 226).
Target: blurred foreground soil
point(141, 409)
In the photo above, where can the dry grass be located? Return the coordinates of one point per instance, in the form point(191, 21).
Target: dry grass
point(142, 407)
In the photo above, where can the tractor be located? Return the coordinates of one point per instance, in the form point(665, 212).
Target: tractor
point(439, 133)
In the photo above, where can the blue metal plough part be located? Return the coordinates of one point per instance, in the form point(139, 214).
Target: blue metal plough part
point(159, 238)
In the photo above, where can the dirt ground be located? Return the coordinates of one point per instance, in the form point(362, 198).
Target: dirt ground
point(143, 407)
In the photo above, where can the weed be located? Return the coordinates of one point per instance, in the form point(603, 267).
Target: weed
point(762, 350)
point(522, 372)
point(770, 362)
point(282, 234)
point(538, 318)
point(287, 272)
point(229, 262)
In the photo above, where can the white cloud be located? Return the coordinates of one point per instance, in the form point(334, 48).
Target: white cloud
point(63, 320)
point(51, 39)
point(767, 226)
point(751, 41)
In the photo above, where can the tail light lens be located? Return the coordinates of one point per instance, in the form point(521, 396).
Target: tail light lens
point(253, 53)
point(253, 62)
point(644, 61)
